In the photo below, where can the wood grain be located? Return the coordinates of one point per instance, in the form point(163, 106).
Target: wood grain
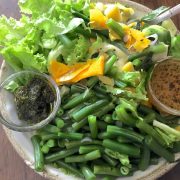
point(12, 166)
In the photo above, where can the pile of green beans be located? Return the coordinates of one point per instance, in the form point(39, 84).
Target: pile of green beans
point(86, 127)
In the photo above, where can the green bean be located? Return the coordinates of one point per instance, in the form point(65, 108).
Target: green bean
point(51, 129)
point(88, 148)
point(137, 62)
point(123, 140)
point(46, 137)
point(105, 135)
point(83, 158)
point(83, 113)
point(100, 90)
point(152, 49)
point(78, 125)
point(77, 89)
point(73, 144)
point(78, 100)
point(122, 148)
point(38, 155)
point(120, 84)
point(150, 117)
point(60, 112)
point(88, 174)
point(45, 149)
point(69, 168)
point(105, 110)
point(51, 143)
point(75, 109)
point(109, 63)
point(108, 118)
point(150, 131)
point(109, 160)
point(60, 155)
point(116, 27)
point(131, 135)
point(107, 170)
point(145, 158)
point(93, 126)
point(158, 149)
point(124, 170)
point(59, 122)
point(92, 81)
point(70, 136)
point(113, 72)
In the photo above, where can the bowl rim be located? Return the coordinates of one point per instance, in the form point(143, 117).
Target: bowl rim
point(43, 122)
point(165, 167)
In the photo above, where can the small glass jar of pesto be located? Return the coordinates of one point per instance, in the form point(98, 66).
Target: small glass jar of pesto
point(29, 100)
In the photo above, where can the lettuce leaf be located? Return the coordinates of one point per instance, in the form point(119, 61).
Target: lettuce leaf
point(12, 86)
point(136, 86)
point(31, 41)
point(130, 78)
point(20, 57)
point(12, 31)
point(95, 47)
point(35, 7)
point(77, 52)
point(51, 26)
point(81, 5)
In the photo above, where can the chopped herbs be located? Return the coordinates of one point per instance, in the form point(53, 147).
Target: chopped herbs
point(34, 100)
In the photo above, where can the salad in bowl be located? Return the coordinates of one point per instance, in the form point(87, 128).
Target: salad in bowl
point(118, 76)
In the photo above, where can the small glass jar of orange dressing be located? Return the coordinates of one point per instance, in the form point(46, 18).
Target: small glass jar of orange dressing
point(164, 86)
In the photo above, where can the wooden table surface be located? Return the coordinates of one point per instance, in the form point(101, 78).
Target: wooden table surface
point(12, 166)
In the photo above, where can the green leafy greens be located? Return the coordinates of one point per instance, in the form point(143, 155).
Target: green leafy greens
point(33, 40)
